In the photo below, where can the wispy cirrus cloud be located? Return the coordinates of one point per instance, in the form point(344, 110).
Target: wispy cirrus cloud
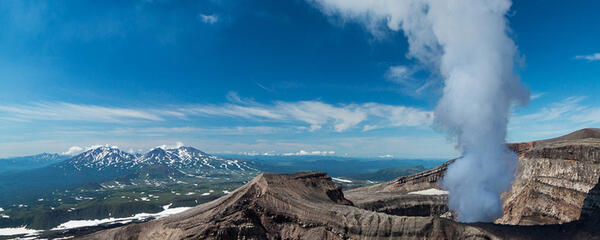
point(61, 111)
point(317, 114)
point(399, 74)
point(213, 131)
point(210, 19)
point(405, 77)
point(590, 57)
point(558, 118)
point(568, 108)
point(312, 115)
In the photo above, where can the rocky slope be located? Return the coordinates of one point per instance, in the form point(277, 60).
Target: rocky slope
point(393, 197)
point(297, 206)
point(310, 206)
point(590, 212)
point(553, 180)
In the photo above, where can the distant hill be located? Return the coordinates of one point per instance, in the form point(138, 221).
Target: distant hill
point(388, 174)
point(334, 165)
point(15, 164)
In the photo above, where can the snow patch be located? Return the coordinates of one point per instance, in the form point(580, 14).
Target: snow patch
point(140, 216)
point(18, 231)
point(341, 180)
point(431, 191)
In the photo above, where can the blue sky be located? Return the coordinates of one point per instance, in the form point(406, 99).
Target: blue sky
point(261, 77)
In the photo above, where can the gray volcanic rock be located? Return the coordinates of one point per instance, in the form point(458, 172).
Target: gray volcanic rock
point(310, 206)
point(392, 197)
point(297, 206)
point(402, 204)
point(419, 181)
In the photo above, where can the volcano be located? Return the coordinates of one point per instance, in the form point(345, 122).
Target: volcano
point(555, 194)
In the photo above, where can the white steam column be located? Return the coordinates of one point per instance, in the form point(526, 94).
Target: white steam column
point(467, 42)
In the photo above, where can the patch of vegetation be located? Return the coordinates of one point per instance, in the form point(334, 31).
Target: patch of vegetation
point(119, 199)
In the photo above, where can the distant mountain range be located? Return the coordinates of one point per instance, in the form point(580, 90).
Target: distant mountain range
point(188, 158)
point(15, 164)
point(388, 174)
point(107, 163)
point(336, 166)
point(106, 182)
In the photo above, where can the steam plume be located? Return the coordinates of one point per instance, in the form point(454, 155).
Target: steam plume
point(466, 42)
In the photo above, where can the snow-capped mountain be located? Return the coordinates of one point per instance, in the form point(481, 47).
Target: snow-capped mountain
point(103, 157)
point(191, 158)
point(104, 164)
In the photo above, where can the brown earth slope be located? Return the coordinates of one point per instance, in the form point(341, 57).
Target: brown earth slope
point(310, 206)
point(553, 180)
point(392, 197)
point(298, 206)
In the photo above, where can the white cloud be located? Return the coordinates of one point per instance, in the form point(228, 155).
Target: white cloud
point(370, 127)
point(61, 111)
point(399, 74)
point(231, 110)
point(239, 130)
point(210, 19)
point(404, 76)
point(68, 124)
point(422, 146)
point(559, 118)
point(537, 95)
point(569, 106)
point(318, 114)
point(100, 145)
point(591, 57)
point(398, 116)
point(310, 153)
point(312, 115)
point(73, 150)
point(177, 145)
